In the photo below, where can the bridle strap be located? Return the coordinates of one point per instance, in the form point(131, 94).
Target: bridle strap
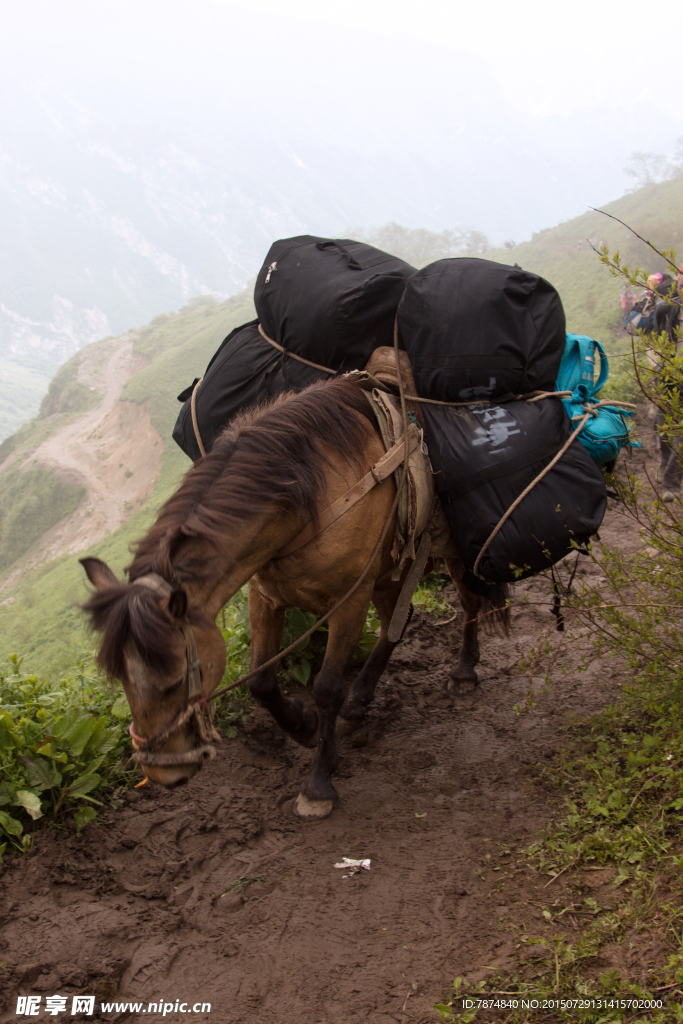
point(154, 581)
point(146, 748)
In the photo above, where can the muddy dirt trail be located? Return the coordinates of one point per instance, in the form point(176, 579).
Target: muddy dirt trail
point(217, 893)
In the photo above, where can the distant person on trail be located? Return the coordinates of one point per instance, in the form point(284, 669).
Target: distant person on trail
point(669, 318)
point(668, 314)
point(642, 316)
point(628, 301)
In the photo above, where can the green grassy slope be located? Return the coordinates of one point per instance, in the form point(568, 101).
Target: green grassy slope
point(30, 503)
point(21, 392)
point(43, 620)
point(563, 255)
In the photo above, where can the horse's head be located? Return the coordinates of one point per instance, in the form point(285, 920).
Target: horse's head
point(168, 657)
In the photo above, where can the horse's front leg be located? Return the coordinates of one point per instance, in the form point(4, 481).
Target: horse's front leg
point(266, 621)
point(362, 690)
point(317, 795)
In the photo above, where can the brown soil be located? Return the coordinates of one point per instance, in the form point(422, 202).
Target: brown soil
point(138, 907)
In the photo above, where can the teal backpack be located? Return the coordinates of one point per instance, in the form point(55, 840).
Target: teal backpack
point(605, 434)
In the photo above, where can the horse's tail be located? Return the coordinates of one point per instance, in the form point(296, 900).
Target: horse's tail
point(493, 599)
point(496, 609)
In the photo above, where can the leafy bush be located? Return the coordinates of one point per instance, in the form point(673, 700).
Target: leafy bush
point(61, 746)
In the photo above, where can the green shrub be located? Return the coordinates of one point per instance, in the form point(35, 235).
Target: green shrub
point(61, 747)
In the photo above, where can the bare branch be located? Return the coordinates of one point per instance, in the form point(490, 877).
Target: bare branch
point(624, 224)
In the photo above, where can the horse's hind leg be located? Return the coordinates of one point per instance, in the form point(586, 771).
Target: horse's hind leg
point(463, 677)
point(266, 622)
point(317, 795)
point(352, 717)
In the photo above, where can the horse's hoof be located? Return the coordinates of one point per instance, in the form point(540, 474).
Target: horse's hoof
point(312, 810)
point(462, 687)
point(360, 737)
point(349, 727)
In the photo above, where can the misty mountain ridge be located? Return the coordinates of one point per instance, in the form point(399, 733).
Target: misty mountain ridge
point(128, 187)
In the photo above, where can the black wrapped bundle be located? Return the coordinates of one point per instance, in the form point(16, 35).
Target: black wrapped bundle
point(244, 372)
point(331, 301)
point(485, 456)
point(475, 329)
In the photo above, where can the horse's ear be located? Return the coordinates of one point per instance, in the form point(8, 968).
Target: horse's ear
point(177, 603)
point(99, 573)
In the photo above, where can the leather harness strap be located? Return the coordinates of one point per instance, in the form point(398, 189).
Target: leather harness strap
point(379, 472)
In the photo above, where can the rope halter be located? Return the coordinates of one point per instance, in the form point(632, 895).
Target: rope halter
point(146, 750)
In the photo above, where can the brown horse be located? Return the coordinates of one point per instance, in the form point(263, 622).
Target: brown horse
point(268, 475)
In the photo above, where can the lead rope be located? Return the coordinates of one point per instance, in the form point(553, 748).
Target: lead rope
point(193, 410)
point(591, 410)
point(527, 489)
point(337, 606)
point(293, 355)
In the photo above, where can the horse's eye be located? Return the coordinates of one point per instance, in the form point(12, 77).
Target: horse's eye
point(174, 686)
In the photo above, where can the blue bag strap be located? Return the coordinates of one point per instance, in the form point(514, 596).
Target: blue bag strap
point(587, 348)
point(604, 368)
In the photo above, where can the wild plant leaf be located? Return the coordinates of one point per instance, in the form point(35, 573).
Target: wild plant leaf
point(42, 774)
point(83, 817)
point(11, 826)
point(47, 750)
point(29, 801)
point(120, 708)
point(94, 765)
point(8, 734)
point(92, 742)
point(65, 722)
point(302, 671)
point(83, 784)
point(76, 739)
point(108, 739)
point(6, 793)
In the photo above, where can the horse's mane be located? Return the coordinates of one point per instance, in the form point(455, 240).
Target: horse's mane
point(272, 456)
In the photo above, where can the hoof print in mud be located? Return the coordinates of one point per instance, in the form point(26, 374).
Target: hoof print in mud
point(312, 810)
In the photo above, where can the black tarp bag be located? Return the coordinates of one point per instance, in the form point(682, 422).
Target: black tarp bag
point(475, 329)
point(331, 301)
point(243, 372)
point(485, 456)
